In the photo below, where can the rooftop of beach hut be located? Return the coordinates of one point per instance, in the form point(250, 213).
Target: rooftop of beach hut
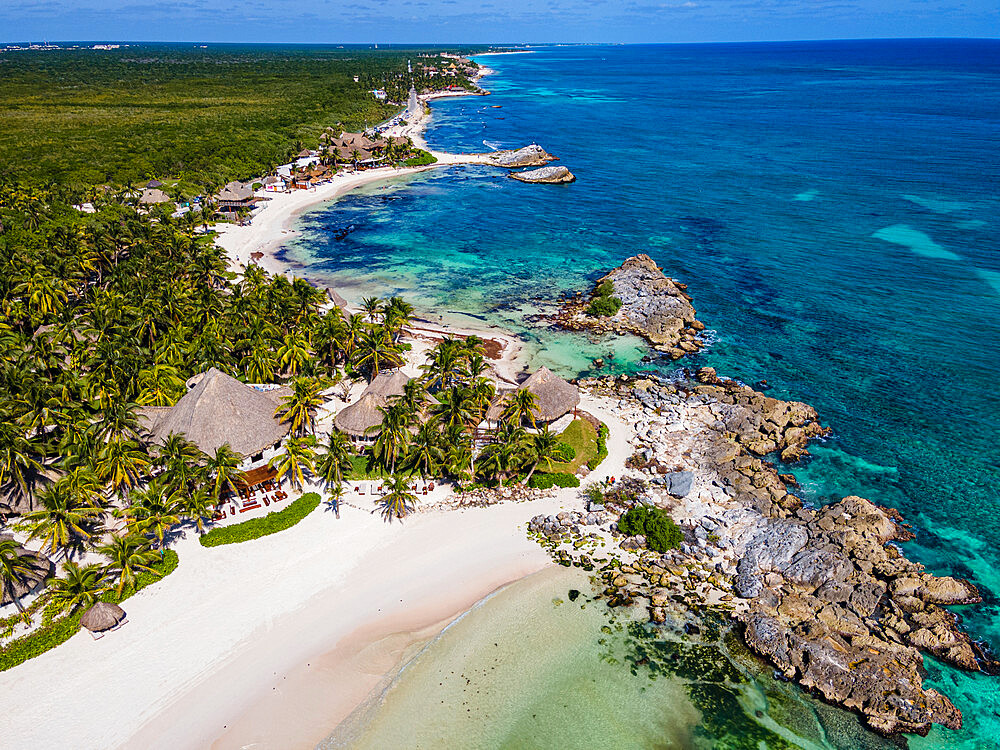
point(362, 418)
point(219, 409)
point(388, 384)
point(41, 570)
point(235, 192)
point(553, 397)
point(102, 616)
point(153, 195)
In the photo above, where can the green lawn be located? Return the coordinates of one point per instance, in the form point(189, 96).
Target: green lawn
point(582, 436)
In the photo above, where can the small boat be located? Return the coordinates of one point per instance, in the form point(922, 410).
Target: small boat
point(497, 106)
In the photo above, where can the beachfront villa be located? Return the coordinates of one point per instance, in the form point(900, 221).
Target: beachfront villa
point(219, 409)
point(555, 399)
point(233, 199)
point(362, 420)
point(153, 195)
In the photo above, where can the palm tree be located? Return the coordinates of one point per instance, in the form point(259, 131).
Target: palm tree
point(299, 407)
point(399, 501)
point(79, 587)
point(161, 385)
point(393, 437)
point(444, 364)
point(127, 557)
point(16, 569)
point(336, 492)
point(224, 470)
point(62, 522)
point(376, 351)
point(544, 446)
point(293, 353)
point(153, 512)
point(121, 463)
point(332, 465)
point(425, 454)
point(196, 505)
point(414, 398)
point(519, 407)
point(372, 307)
point(297, 458)
point(20, 467)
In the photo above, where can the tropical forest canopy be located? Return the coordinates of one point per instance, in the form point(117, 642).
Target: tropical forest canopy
point(205, 116)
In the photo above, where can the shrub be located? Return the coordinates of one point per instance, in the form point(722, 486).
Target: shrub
point(545, 481)
point(258, 527)
point(61, 630)
point(605, 289)
point(421, 159)
point(604, 307)
point(564, 452)
point(653, 523)
point(602, 446)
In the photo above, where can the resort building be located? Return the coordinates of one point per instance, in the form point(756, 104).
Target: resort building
point(555, 398)
point(233, 199)
point(219, 409)
point(150, 196)
point(362, 420)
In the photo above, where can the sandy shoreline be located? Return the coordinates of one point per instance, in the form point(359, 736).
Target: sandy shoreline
point(271, 643)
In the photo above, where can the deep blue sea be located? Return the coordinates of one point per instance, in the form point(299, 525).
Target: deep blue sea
point(834, 208)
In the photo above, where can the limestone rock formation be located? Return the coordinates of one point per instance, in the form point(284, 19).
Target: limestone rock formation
point(654, 306)
point(545, 175)
point(529, 156)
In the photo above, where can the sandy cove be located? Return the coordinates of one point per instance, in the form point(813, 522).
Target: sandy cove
point(272, 642)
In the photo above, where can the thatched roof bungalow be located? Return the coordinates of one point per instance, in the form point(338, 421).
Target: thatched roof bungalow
point(554, 397)
point(362, 419)
point(150, 196)
point(43, 570)
point(219, 409)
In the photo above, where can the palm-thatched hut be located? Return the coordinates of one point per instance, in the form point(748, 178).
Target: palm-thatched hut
point(388, 384)
point(103, 616)
point(362, 419)
point(41, 570)
point(219, 409)
point(152, 195)
point(554, 397)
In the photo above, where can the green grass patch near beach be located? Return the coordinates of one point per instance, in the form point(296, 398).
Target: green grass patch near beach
point(258, 527)
point(61, 629)
point(422, 159)
point(582, 438)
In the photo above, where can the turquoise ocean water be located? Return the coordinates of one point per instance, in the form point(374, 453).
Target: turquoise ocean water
point(833, 207)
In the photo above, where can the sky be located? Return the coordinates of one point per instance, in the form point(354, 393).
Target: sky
point(492, 21)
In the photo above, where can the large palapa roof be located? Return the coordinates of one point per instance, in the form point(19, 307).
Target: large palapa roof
point(553, 396)
point(363, 416)
point(220, 409)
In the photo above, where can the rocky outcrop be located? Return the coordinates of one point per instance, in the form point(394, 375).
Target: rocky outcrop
point(826, 595)
point(836, 608)
point(529, 156)
point(760, 424)
point(653, 306)
point(545, 175)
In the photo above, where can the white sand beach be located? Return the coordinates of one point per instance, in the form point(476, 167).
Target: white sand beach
point(270, 643)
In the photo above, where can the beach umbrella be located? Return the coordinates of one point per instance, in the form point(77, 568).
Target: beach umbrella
point(102, 616)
